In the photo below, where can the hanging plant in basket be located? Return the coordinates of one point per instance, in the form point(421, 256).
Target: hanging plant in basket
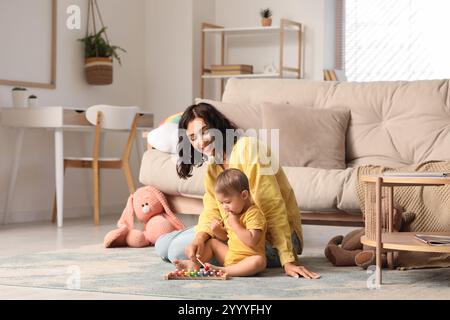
point(98, 51)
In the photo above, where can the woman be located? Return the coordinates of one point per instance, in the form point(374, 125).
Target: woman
point(205, 133)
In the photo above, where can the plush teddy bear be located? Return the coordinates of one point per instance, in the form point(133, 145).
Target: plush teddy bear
point(151, 208)
point(349, 251)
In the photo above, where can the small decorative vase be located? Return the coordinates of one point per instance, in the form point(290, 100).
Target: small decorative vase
point(266, 22)
point(20, 98)
point(32, 102)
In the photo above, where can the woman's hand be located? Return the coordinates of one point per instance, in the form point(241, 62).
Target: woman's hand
point(194, 250)
point(296, 271)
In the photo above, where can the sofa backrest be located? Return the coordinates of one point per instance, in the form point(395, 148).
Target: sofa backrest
point(392, 123)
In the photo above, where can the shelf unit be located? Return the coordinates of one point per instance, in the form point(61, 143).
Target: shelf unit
point(285, 26)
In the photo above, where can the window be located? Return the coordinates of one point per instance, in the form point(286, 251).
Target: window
point(394, 40)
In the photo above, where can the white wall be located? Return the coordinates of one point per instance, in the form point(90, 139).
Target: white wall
point(169, 56)
point(160, 73)
point(204, 11)
point(35, 183)
point(235, 13)
point(168, 53)
point(329, 39)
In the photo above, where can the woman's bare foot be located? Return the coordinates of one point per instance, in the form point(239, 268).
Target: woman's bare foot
point(186, 265)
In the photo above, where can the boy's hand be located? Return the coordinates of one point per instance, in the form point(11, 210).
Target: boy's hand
point(217, 227)
point(233, 220)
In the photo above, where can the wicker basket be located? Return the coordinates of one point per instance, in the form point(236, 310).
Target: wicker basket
point(370, 211)
point(99, 71)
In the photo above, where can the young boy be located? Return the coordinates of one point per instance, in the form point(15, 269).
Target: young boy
point(238, 244)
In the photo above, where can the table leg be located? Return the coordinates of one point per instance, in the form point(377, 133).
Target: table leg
point(391, 208)
point(100, 172)
point(59, 174)
point(390, 224)
point(378, 231)
point(13, 177)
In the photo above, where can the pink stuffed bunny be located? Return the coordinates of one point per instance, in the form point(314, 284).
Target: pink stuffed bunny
point(151, 208)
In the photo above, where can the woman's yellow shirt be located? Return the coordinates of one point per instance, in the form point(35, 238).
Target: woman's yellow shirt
point(270, 191)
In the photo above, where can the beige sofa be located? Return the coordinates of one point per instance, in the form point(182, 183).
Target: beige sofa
point(392, 124)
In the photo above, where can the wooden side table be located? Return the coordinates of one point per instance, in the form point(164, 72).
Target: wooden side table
point(396, 240)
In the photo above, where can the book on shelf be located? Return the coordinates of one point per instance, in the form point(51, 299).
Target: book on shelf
point(433, 240)
point(229, 72)
point(232, 67)
point(417, 174)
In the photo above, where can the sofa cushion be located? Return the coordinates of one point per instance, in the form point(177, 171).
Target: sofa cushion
point(158, 169)
point(321, 189)
point(393, 123)
point(315, 189)
point(308, 137)
point(348, 200)
point(245, 116)
point(164, 138)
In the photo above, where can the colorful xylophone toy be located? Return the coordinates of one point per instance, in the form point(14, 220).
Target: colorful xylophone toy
point(201, 274)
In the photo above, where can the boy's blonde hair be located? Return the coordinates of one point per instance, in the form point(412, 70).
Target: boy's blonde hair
point(231, 181)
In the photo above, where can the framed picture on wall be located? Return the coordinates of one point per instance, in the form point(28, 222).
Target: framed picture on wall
point(28, 43)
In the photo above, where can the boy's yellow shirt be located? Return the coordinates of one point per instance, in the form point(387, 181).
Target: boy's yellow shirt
point(252, 219)
point(271, 193)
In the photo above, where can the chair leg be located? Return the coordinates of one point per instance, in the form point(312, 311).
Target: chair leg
point(54, 201)
point(96, 191)
point(54, 210)
point(129, 177)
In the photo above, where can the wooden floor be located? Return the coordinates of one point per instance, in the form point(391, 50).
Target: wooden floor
point(44, 236)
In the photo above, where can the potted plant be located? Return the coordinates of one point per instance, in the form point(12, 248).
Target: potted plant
point(32, 101)
point(266, 17)
point(99, 54)
point(19, 96)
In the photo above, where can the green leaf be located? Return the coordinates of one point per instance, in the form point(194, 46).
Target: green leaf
point(95, 45)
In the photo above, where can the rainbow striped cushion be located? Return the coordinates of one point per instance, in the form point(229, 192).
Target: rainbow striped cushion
point(175, 118)
point(165, 137)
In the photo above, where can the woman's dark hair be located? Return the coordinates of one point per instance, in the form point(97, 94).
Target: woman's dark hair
point(213, 119)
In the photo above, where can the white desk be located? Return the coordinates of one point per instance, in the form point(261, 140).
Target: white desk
point(58, 119)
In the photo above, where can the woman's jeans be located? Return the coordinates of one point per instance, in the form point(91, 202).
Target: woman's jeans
point(171, 246)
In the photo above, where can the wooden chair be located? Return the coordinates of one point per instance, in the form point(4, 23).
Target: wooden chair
point(334, 75)
point(108, 118)
point(329, 75)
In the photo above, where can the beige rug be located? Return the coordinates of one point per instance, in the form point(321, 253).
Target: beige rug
point(140, 272)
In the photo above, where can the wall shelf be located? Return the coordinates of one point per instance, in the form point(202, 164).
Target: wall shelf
point(284, 71)
point(251, 75)
point(272, 29)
